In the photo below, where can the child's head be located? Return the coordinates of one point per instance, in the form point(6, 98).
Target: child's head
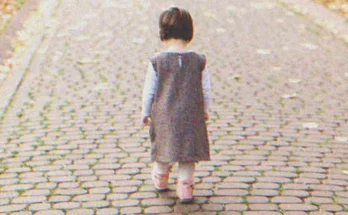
point(176, 23)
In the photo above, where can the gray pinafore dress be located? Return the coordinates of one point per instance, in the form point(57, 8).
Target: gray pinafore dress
point(178, 130)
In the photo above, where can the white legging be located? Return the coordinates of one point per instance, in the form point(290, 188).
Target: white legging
point(185, 171)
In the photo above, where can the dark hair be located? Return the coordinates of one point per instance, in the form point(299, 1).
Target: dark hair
point(176, 23)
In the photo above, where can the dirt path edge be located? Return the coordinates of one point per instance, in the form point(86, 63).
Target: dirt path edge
point(16, 25)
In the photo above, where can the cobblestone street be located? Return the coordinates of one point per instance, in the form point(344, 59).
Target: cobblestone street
point(71, 141)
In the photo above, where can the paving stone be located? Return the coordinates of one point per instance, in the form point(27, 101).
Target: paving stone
point(297, 193)
point(88, 197)
point(4, 201)
point(48, 185)
point(257, 199)
point(68, 185)
point(33, 180)
point(12, 208)
point(321, 213)
point(107, 166)
point(59, 179)
point(80, 212)
point(39, 207)
point(280, 180)
point(341, 194)
point(59, 198)
point(107, 211)
point(17, 187)
point(286, 199)
point(10, 195)
point(143, 195)
point(22, 213)
point(186, 208)
point(203, 213)
point(37, 192)
point(157, 209)
point(158, 202)
point(319, 200)
point(264, 192)
point(117, 196)
point(295, 213)
point(258, 185)
point(28, 199)
point(331, 207)
point(261, 213)
point(212, 207)
point(75, 191)
point(205, 186)
point(127, 203)
point(322, 187)
point(50, 212)
point(263, 207)
point(229, 213)
point(301, 207)
point(94, 184)
point(66, 205)
point(95, 204)
point(124, 189)
point(203, 193)
point(9, 181)
point(342, 201)
point(100, 190)
point(130, 210)
point(236, 207)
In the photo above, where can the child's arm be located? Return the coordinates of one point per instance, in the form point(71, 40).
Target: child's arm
point(206, 90)
point(149, 91)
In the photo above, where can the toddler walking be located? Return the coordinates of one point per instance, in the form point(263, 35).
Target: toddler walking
point(175, 104)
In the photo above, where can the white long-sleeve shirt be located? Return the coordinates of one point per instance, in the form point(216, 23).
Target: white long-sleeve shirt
point(150, 88)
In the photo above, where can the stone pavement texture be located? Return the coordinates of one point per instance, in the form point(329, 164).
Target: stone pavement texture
point(71, 140)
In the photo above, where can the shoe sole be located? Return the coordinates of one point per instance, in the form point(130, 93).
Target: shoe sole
point(186, 201)
point(161, 190)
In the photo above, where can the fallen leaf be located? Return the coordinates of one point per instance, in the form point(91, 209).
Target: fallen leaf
point(220, 30)
point(310, 125)
point(5, 69)
point(262, 5)
point(82, 38)
point(344, 7)
point(2, 77)
point(341, 139)
point(309, 46)
point(276, 68)
point(87, 61)
point(295, 81)
point(290, 96)
point(102, 87)
point(138, 41)
point(210, 15)
point(263, 51)
point(280, 20)
point(235, 77)
point(232, 8)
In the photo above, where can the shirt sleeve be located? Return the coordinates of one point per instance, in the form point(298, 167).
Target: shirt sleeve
point(150, 87)
point(206, 88)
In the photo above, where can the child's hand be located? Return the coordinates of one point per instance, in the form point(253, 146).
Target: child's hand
point(146, 120)
point(206, 116)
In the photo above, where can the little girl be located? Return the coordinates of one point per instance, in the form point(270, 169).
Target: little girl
point(175, 104)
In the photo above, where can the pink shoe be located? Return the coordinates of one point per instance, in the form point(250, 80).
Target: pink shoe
point(160, 181)
point(184, 191)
